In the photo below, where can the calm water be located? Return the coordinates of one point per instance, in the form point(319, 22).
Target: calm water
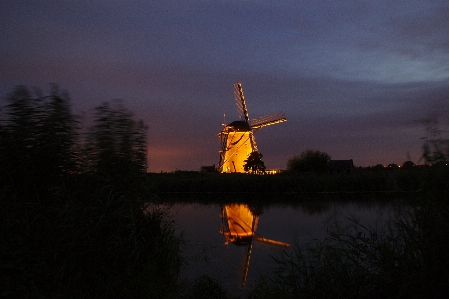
point(209, 252)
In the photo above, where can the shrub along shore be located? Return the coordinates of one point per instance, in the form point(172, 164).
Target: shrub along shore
point(86, 237)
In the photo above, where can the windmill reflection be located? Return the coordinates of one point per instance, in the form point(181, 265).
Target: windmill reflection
point(238, 226)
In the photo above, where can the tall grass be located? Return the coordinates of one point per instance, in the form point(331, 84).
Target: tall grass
point(100, 246)
point(206, 287)
point(409, 261)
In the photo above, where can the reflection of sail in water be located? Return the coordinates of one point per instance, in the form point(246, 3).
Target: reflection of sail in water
point(239, 227)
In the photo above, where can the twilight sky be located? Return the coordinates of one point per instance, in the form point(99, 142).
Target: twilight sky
point(355, 78)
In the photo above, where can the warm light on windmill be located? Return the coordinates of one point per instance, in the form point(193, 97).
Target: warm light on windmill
point(237, 138)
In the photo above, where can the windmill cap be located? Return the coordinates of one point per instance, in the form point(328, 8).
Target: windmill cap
point(240, 125)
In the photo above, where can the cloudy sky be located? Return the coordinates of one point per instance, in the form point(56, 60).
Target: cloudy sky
point(356, 79)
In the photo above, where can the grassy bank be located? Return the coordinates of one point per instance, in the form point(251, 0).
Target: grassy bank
point(360, 180)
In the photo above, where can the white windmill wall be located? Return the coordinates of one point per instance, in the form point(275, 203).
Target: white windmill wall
point(237, 153)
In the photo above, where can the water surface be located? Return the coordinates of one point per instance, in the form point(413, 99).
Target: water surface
point(210, 253)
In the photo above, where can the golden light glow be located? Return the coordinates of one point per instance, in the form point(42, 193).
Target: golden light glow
point(238, 147)
point(240, 223)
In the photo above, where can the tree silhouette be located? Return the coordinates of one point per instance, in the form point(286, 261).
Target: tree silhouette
point(20, 130)
point(116, 144)
point(436, 144)
point(309, 161)
point(254, 163)
point(38, 137)
point(40, 144)
point(59, 135)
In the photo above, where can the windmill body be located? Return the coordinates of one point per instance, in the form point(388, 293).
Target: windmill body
point(237, 143)
point(237, 138)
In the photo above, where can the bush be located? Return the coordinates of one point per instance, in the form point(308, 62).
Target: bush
point(103, 248)
point(410, 261)
point(309, 161)
point(206, 287)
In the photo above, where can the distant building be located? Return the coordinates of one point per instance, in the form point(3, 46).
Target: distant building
point(341, 166)
point(208, 168)
point(273, 171)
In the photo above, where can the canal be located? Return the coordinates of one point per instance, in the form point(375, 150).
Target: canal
point(210, 251)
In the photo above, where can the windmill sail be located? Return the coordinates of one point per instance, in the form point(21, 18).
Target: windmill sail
point(240, 102)
point(268, 120)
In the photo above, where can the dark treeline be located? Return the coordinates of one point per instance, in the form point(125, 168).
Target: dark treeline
point(297, 184)
point(38, 140)
point(41, 143)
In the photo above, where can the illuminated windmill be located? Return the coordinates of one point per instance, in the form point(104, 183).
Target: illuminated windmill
point(237, 138)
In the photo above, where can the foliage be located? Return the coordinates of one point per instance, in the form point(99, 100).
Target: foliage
point(40, 143)
point(436, 144)
point(408, 165)
point(206, 287)
point(410, 261)
point(254, 163)
point(90, 243)
point(309, 161)
point(375, 180)
point(38, 137)
point(58, 149)
point(116, 144)
point(20, 134)
point(66, 231)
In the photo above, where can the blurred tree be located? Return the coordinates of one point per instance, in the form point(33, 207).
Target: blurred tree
point(378, 167)
point(408, 165)
point(21, 127)
point(254, 163)
point(309, 161)
point(116, 144)
point(392, 166)
point(436, 144)
point(38, 136)
point(59, 135)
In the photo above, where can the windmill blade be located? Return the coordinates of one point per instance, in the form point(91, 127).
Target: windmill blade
point(268, 120)
point(240, 102)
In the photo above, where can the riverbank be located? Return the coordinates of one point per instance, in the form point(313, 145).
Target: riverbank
point(87, 237)
point(358, 181)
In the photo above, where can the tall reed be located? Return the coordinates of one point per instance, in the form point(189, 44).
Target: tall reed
point(409, 261)
point(90, 244)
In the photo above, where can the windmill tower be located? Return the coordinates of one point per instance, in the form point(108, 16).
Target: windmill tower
point(237, 138)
